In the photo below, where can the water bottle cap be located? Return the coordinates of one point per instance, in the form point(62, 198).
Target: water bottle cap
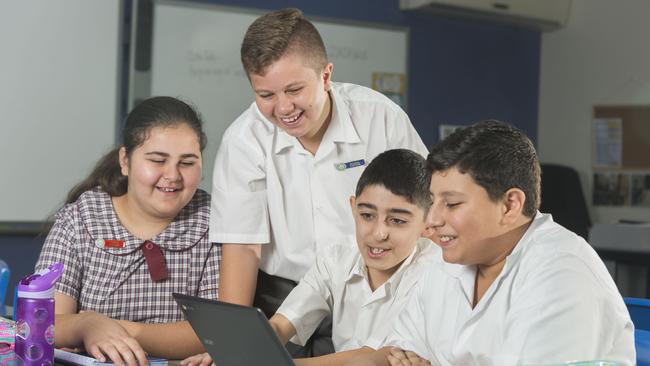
point(41, 282)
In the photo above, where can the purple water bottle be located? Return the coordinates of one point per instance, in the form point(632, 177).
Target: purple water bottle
point(34, 315)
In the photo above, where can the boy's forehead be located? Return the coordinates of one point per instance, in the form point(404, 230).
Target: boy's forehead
point(452, 182)
point(381, 198)
point(283, 75)
point(292, 59)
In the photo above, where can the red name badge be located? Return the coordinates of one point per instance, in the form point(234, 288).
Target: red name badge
point(110, 243)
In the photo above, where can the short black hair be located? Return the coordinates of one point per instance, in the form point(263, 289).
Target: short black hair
point(401, 171)
point(497, 155)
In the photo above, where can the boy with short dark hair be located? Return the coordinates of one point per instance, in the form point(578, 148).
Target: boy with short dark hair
point(515, 288)
point(364, 284)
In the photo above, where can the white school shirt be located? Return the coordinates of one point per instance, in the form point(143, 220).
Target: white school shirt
point(268, 189)
point(553, 302)
point(338, 285)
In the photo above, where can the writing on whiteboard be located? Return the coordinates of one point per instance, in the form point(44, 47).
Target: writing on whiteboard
point(346, 53)
point(205, 63)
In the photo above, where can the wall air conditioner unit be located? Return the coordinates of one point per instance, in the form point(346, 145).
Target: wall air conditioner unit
point(542, 15)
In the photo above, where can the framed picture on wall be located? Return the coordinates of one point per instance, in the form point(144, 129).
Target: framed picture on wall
point(607, 142)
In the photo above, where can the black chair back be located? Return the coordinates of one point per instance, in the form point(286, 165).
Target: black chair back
point(562, 197)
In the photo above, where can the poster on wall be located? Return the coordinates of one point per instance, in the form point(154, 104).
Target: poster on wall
point(621, 189)
point(640, 190)
point(611, 189)
point(445, 130)
point(392, 85)
point(607, 142)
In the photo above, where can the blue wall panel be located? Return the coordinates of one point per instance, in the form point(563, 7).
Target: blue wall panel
point(20, 252)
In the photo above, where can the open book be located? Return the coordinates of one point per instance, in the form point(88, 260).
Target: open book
point(84, 359)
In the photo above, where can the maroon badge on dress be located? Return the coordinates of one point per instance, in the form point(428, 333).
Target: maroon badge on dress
point(155, 261)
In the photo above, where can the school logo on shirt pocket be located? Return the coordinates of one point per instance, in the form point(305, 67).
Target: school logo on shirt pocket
point(349, 164)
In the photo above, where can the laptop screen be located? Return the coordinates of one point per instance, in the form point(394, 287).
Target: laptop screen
point(232, 334)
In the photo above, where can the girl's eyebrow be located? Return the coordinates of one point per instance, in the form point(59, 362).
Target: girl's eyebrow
point(164, 154)
point(189, 155)
point(157, 153)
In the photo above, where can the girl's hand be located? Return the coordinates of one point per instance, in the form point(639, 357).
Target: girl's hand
point(104, 337)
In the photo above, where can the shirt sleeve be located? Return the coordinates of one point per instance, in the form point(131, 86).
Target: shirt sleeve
point(402, 134)
point(309, 302)
point(60, 246)
point(209, 284)
point(562, 312)
point(239, 208)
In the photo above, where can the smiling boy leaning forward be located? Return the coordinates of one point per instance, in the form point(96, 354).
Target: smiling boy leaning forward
point(287, 165)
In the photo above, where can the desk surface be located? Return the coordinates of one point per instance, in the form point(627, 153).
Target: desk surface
point(169, 363)
point(621, 237)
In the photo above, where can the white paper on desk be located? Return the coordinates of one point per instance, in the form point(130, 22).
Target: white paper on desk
point(84, 359)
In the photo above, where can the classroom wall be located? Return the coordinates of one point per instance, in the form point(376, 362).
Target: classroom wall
point(602, 57)
point(459, 72)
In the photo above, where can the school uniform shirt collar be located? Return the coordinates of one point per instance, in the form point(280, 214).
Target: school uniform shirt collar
point(100, 220)
point(524, 243)
point(359, 271)
point(340, 129)
point(466, 274)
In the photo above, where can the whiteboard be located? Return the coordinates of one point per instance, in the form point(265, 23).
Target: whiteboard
point(58, 99)
point(196, 56)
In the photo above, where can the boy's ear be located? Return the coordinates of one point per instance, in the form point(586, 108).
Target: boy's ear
point(124, 161)
point(353, 203)
point(513, 205)
point(327, 76)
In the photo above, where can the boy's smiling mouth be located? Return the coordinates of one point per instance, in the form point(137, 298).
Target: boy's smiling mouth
point(293, 120)
point(445, 240)
point(375, 252)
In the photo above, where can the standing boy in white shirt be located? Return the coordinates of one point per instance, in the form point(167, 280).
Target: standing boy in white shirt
point(515, 288)
point(364, 285)
point(287, 165)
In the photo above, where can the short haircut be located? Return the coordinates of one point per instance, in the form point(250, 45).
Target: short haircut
point(497, 155)
point(278, 33)
point(401, 171)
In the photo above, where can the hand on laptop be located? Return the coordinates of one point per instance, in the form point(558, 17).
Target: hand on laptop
point(398, 357)
point(106, 337)
point(203, 359)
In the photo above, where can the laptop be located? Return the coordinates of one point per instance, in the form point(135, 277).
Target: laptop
point(232, 334)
